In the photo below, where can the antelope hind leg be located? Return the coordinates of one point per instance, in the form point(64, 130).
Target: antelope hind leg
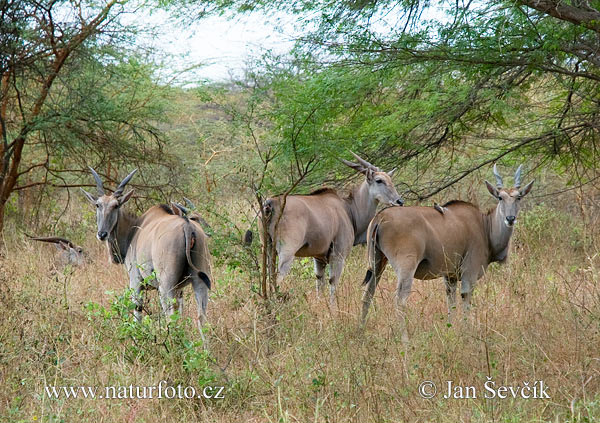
point(320, 273)
point(405, 274)
point(451, 282)
point(380, 262)
point(201, 294)
point(137, 296)
point(285, 258)
point(336, 266)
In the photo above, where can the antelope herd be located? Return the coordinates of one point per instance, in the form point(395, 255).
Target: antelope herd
point(166, 247)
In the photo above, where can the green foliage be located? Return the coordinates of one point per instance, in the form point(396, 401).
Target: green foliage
point(542, 223)
point(109, 110)
point(404, 82)
point(74, 93)
point(152, 340)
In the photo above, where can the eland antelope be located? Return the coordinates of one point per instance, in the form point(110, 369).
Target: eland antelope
point(458, 243)
point(70, 253)
point(325, 225)
point(159, 243)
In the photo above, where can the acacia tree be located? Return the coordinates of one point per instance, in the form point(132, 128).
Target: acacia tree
point(479, 82)
point(69, 96)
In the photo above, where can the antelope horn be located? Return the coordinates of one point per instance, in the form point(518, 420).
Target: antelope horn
point(52, 239)
point(365, 163)
point(355, 166)
point(98, 181)
point(518, 177)
point(124, 182)
point(181, 207)
point(498, 177)
point(189, 203)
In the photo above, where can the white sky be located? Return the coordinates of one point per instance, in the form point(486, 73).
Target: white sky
point(223, 46)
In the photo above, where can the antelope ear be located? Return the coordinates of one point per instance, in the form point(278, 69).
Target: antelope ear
point(124, 198)
point(523, 192)
point(176, 210)
point(391, 172)
point(62, 246)
point(492, 189)
point(90, 197)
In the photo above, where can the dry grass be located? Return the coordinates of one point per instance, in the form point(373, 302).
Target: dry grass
point(537, 318)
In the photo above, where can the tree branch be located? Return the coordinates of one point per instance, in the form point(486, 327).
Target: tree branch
point(585, 15)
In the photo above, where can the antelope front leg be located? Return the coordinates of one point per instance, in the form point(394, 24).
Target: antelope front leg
point(171, 299)
point(167, 300)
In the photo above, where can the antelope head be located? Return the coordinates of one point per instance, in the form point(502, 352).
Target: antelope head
point(107, 206)
point(509, 199)
point(380, 184)
point(71, 253)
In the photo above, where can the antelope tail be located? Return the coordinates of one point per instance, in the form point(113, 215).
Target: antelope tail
point(268, 207)
point(190, 242)
point(371, 251)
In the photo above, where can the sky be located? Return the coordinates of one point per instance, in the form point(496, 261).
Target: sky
point(222, 46)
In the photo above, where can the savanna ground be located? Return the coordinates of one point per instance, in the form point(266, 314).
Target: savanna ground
point(536, 318)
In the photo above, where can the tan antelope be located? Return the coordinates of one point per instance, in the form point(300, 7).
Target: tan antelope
point(158, 241)
point(324, 225)
point(70, 253)
point(458, 242)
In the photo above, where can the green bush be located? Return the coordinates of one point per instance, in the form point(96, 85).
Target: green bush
point(153, 340)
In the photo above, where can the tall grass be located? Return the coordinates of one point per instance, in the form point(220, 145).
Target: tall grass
point(536, 318)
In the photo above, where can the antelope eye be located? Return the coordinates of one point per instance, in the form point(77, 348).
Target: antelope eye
point(379, 181)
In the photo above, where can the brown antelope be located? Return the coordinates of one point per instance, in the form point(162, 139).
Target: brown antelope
point(324, 225)
point(70, 253)
point(458, 242)
point(157, 241)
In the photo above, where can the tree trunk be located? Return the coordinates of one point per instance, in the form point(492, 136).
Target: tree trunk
point(2, 204)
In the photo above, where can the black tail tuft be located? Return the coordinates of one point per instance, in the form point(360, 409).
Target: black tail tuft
point(368, 277)
point(248, 238)
point(204, 278)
